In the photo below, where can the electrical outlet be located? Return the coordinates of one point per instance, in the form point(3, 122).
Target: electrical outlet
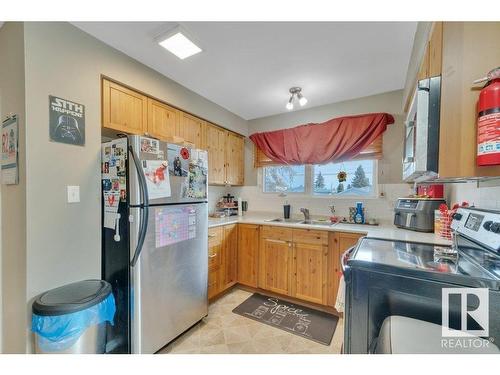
point(73, 194)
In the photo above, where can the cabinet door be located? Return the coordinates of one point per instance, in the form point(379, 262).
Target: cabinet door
point(162, 120)
point(275, 266)
point(230, 256)
point(123, 109)
point(214, 260)
point(338, 243)
point(235, 155)
point(190, 129)
point(423, 72)
point(310, 276)
point(436, 50)
point(214, 142)
point(248, 254)
point(470, 50)
point(213, 283)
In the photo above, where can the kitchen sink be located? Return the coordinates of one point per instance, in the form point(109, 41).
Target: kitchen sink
point(281, 220)
point(326, 223)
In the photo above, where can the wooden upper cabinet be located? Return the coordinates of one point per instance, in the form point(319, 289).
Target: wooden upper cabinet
point(214, 143)
point(423, 72)
point(436, 50)
point(470, 50)
point(163, 120)
point(123, 109)
point(248, 254)
point(190, 128)
point(235, 159)
point(431, 64)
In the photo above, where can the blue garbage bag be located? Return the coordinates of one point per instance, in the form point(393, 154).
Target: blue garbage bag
point(59, 332)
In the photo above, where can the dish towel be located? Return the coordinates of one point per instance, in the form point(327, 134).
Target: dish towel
point(340, 302)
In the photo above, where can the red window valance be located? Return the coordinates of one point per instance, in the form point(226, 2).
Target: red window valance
point(337, 139)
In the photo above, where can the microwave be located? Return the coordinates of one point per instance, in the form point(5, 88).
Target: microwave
point(421, 144)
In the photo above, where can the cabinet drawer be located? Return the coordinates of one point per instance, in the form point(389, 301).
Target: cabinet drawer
point(214, 257)
point(310, 236)
point(276, 233)
point(214, 236)
point(213, 283)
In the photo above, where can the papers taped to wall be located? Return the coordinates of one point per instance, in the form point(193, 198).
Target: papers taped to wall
point(10, 165)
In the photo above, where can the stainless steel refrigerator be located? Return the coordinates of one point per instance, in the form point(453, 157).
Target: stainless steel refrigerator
point(154, 240)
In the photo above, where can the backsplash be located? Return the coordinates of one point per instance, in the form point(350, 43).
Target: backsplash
point(380, 208)
point(214, 193)
point(482, 197)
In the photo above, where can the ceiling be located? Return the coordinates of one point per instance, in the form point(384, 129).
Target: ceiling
point(248, 67)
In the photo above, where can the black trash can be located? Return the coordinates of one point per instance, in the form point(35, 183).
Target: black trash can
point(72, 319)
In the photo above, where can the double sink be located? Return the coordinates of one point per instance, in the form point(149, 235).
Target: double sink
point(325, 223)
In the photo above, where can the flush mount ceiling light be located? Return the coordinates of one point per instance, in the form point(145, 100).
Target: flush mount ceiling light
point(179, 43)
point(296, 92)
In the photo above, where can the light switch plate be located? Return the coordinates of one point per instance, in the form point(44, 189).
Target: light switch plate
point(73, 194)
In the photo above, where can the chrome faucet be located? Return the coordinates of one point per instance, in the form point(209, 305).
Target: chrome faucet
point(305, 211)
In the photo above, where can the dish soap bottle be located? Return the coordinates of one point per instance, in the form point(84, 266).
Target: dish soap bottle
point(359, 217)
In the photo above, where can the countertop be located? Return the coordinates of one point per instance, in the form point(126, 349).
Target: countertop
point(384, 230)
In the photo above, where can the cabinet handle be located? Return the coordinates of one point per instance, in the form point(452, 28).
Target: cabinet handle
point(211, 235)
point(213, 255)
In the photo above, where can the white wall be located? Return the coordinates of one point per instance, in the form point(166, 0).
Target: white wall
point(417, 54)
point(487, 195)
point(389, 167)
point(13, 198)
point(47, 242)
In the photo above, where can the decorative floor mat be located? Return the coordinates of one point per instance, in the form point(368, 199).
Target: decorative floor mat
point(300, 320)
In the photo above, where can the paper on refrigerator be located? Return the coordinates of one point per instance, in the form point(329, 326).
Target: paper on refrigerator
point(157, 178)
point(111, 201)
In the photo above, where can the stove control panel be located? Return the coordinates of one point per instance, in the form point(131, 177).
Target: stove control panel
point(482, 226)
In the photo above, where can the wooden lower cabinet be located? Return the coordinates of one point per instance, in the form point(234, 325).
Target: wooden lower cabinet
point(310, 272)
point(300, 263)
point(338, 243)
point(248, 254)
point(310, 254)
point(214, 261)
point(275, 272)
point(229, 256)
point(222, 258)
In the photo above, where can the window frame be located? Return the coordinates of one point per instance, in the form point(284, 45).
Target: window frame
point(309, 184)
point(262, 177)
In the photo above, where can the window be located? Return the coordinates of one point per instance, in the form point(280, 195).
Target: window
point(322, 180)
point(284, 178)
point(359, 181)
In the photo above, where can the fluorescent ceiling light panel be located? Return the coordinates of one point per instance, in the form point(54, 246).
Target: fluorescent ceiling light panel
point(179, 44)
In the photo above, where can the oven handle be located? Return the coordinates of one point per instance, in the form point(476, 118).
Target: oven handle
point(345, 257)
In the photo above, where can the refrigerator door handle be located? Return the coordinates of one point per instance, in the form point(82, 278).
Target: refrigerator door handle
point(144, 207)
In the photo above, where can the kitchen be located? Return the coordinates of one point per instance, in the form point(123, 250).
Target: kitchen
point(257, 251)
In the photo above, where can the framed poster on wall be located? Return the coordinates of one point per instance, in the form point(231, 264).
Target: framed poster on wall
point(10, 162)
point(66, 121)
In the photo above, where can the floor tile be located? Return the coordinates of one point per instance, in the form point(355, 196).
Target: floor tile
point(222, 332)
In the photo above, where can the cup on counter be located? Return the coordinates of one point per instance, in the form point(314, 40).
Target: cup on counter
point(286, 211)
